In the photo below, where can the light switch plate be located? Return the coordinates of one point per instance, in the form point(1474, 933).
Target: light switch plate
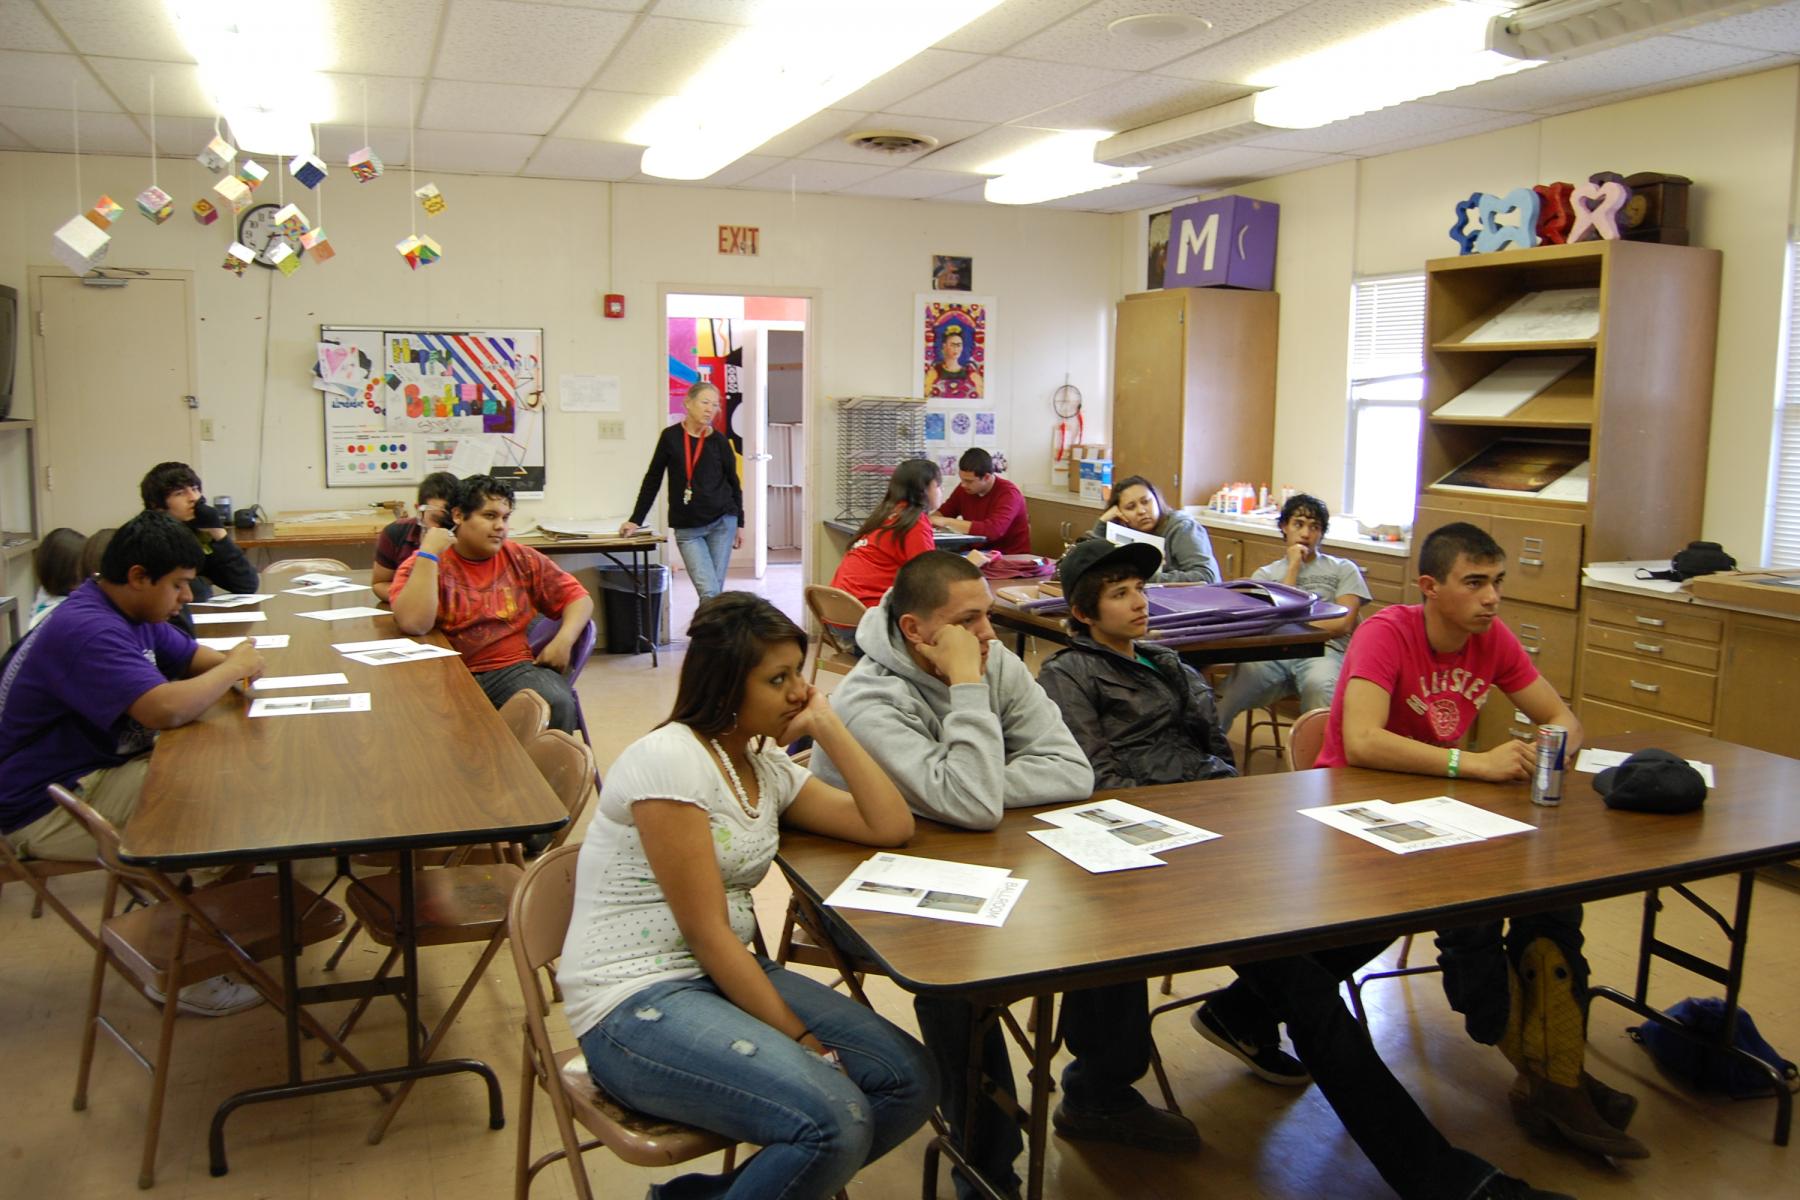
point(611, 428)
point(206, 429)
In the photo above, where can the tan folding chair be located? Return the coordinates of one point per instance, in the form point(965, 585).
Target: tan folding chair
point(304, 566)
point(835, 609)
point(1269, 717)
point(1306, 737)
point(538, 922)
point(36, 873)
point(464, 903)
point(178, 940)
point(527, 714)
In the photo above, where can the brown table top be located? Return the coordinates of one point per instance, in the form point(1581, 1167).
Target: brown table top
point(1278, 883)
point(431, 763)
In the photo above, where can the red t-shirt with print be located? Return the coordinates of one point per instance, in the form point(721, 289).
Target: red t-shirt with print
point(484, 607)
point(1434, 698)
point(868, 570)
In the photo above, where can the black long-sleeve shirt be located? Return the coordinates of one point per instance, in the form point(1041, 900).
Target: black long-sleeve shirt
point(717, 489)
point(226, 567)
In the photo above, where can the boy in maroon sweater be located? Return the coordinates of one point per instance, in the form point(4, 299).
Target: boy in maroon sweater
point(987, 506)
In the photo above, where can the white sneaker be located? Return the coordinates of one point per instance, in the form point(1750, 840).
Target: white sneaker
point(219, 996)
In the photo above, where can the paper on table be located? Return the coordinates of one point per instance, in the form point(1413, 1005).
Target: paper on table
point(341, 614)
point(227, 618)
point(300, 706)
point(1593, 761)
point(1095, 850)
point(275, 683)
point(1466, 818)
point(926, 887)
point(1624, 574)
point(1133, 826)
point(226, 600)
point(377, 644)
point(262, 641)
point(1382, 824)
point(1509, 385)
point(329, 588)
point(315, 577)
point(411, 652)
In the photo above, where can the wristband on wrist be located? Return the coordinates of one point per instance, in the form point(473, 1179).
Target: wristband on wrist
point(1455, 761)
point(425, 554)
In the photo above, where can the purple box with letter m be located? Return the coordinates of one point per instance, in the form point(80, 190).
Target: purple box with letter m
point(1228, 241)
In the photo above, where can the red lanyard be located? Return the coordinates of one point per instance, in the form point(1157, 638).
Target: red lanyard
point(691, 458)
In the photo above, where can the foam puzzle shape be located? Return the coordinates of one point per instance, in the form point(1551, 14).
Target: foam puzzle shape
point(419, 251)
point(283, 258)
point(317, 244)
point(218, 155)
point(237, 257)
point(106, 210)
point(1460, 233)
point(235, 191)
point(431, 198)
point(1495, 236)
point(80, 245)
point(365, 164)
point(1597, 207)
point(291, 221)
point(1554, 214)
point(252, 173)
point(204, 212)
point(155, 204)
point(307, 169)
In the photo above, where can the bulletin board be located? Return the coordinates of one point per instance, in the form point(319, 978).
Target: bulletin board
point(402, 403)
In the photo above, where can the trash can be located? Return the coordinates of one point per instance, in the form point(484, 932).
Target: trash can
point(624, 611)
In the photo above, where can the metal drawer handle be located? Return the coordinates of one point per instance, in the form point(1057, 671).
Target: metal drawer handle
point(1534, 651)
point(1531, 562)
point(1532, 543)
point(1528, 625)
point(1647, 647)
point(1653, 622)
point(1646, 687)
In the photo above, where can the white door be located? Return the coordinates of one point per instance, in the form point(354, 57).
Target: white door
point(117, 378)
point(756, 446)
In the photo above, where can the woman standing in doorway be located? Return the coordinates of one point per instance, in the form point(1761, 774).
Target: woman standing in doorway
point(706, 498)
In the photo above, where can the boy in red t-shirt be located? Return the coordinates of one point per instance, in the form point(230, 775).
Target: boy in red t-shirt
point(1414, 679)
point(483, 590)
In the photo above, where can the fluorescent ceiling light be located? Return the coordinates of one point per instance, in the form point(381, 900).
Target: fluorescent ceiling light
point(1061, 165)
point(1562, 28)
point(798, 58)
point(260, 65)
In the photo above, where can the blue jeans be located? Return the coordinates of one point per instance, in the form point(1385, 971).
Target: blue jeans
point(706, 552)
point(500, 686)
point(1260, 684)
point(682, 1051)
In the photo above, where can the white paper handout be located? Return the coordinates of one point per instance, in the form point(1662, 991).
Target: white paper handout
point(403, 652)
point(227, 618)
point(474, 456)
point(302, 706)
point(262, 641)
point(1129, 825)
point(330, 587)
point(1510, 384)
point(342, 614)
point(276, 683)
point(1095, 850)
point(1464, 818)
point(1123, 535)
point(315, 577)
point(227, 600)
point(1382, 824)
point(1594, 761)
point(928, 887)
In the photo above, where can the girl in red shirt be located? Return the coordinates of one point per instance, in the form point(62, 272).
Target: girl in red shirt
point(895, 533)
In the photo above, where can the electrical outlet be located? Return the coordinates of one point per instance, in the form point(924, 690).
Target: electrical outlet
point(206, 430)
point(611, 428)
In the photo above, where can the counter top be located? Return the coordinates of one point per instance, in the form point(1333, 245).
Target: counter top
point(1342, 535)
point(1620, 577)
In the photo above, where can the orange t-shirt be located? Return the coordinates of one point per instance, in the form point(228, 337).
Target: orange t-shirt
point(484, 607)
point(869, 568)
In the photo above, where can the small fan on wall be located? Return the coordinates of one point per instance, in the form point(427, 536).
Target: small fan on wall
point(1066, 401)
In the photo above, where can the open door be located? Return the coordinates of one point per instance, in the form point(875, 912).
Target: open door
point(754, 415)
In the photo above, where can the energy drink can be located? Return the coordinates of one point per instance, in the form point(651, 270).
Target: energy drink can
point(1547, 777)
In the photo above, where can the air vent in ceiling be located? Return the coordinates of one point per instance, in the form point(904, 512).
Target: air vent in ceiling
point(891, 141)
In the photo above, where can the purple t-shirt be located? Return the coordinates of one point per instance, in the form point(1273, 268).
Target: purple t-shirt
point(65, 695)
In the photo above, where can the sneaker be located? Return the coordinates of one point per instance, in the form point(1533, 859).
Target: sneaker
point(1265, 1062)
point(1505, 1187)
point(219, 996)
point(1141, 1125)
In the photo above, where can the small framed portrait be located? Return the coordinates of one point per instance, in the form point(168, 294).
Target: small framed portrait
point(1156, 249)
point(956, 272)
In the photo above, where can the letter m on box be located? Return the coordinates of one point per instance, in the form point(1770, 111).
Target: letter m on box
point(1228, 241)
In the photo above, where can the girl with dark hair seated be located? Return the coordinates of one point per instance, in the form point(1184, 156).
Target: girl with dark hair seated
point(676, 1016)
point(57, 564)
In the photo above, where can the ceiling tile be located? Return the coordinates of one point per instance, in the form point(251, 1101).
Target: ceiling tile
point(608, 5)
point(605, 116)
point(1567, 84)
point(973, 153)
point(946, 131)
point(181, 137)
point(494, 107)
point(803, 175)
point(1775, 30)
point(23, 27)
point(1001, 27)
point(492, 42)
point(178, 89)
point(120, 30)
point(474, 153)
point(1407, 121)
point(1004, 89)
point(661, 56)
point(724, 12)
point(1138, 100)
point(373, 100)
point(731, 173)
point(828, 123)
point(566, 158)
point(909, 183)
point(1083, 38)
point(1293, 35)
point(43, 81)
point(384, 37)
point(915, 74)
point(974, 194)
point(1123, 198)
point(101, 133)
point(338, 142)
point(1664, 85)
point(11, 141)
point(1487, 125)
point(1232, 163)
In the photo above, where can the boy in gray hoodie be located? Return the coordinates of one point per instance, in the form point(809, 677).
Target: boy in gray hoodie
point(963, 730)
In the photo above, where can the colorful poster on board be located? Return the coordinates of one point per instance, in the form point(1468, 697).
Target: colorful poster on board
point(459, 383)
point(951, 361)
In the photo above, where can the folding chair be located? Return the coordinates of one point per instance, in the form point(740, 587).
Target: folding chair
point(527, 714)
point(538, 635)
point(36, 873)
point(835, 610)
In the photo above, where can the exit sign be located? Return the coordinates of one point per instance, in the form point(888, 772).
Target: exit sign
point(738, 239)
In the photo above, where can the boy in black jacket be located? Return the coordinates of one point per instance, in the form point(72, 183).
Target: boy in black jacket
point(174, 488)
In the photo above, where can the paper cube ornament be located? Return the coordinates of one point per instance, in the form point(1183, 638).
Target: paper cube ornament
point(217, 155)
point(234, 190)
point(106, 210)
point(284, 258)
point(419, 252)
point(290, 220)
point(365, 164)
point(204, 212)
point(252, 173)
point(317, 244)
point(431, 198)
point(80, 245)
point(237, 257)
point(155, 204)
point(307, 169)
point(1228, 241)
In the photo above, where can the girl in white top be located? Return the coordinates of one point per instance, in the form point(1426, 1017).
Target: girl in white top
point(675, 1015)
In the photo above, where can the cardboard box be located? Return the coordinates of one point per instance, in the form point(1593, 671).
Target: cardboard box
point(1773, 589)
point(1096, 478)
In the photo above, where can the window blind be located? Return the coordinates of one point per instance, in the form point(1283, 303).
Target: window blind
point(1387, 327)
point(1784, 487)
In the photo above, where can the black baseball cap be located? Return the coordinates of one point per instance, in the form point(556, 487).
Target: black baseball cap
point(1093, 552)
point(1652, 781)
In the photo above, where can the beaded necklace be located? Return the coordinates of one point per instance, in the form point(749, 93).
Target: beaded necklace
point(737, 784)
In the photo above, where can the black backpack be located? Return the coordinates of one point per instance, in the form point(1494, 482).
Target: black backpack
point(1699, 558)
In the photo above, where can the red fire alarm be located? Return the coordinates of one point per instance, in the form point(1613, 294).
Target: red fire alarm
point(615, 304)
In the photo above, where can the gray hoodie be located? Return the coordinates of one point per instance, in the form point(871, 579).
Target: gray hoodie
point(958, 754)
point(1187, 550)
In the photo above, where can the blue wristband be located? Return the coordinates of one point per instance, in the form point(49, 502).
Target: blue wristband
point(423, 554)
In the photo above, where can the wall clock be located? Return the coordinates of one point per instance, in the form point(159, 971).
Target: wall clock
point(257, 230)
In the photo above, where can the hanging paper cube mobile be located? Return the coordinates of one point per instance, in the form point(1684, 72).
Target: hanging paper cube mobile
point(307, 169)
point(155, 204)
point(217, 155)
point(237, 257)
point(235, 190)
point(365, 164)
point(284, 258)
point(252, 173)
point(204, 212)
point(419, 252)
point(290, 220)
point(317, 244)
point(431, 198)
point(80, 245)
point(106, 210)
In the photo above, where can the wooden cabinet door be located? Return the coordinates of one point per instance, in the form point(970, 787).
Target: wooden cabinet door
point(1543, 560)
point(1758, 683)
point(1260, 552)
point(1150, 390)
point(1230, 553)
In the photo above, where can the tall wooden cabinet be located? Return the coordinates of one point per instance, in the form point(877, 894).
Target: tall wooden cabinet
point(1194, 389)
